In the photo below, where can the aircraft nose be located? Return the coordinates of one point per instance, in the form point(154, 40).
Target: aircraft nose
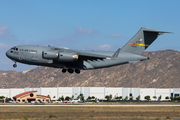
point(7, 54)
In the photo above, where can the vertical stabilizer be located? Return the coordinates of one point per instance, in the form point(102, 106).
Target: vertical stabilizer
point(142, 40)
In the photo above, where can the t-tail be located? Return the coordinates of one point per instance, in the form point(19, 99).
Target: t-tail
point(142, 40)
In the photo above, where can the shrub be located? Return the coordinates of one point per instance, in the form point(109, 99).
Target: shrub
point(168, 117)
point(120, 97)
point(26, 117)
point(50, 116)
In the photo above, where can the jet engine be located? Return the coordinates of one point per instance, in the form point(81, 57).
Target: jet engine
point(61, 56)
point(49, 55)
point(67, 57)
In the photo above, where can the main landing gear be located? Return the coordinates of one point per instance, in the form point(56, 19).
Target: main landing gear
point(15, 65)
point(71, 70)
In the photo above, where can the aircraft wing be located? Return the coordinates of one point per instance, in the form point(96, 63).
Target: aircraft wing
point(85, 55)
point(91, 56)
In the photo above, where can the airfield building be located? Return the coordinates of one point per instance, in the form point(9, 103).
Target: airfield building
point(97, 92)
point(31, 96)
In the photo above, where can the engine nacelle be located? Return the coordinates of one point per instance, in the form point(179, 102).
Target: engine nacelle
point(67, 57)
point(49, 55)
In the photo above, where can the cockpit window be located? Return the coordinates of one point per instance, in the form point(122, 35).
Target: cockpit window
point(14, 48)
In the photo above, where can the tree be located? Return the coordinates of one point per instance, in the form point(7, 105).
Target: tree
point(126, 98)
point(72, 98)
point(147, 98)
point(93, 97)
point(62, 98)
point(138, 98)
point(178, 98)
point(79, 96)
point(8, 99)
point(120, 97)
point(67, 98)
point(159, 97)
point(167, 97)
point(89, 98)
point(107, 97)
point(82, 97)
point(154, 97)
point(2, 97)
point(59, 98)
point(110, 96)
point(54, 97)
point(172, 98)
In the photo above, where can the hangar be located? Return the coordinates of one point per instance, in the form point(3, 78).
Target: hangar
point(31, 96)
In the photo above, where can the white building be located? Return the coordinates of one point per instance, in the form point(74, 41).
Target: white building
point(97, 92)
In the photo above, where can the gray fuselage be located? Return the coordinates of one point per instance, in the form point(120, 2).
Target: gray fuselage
point(33, 55)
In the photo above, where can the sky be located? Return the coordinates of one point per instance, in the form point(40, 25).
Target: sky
point(85, 25)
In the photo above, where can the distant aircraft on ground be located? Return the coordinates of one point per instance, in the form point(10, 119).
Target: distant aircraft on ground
point(75, 60)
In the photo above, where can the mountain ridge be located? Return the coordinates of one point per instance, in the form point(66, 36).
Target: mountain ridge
point(160, 71)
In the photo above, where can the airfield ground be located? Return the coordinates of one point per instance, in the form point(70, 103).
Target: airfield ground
point(80, 111)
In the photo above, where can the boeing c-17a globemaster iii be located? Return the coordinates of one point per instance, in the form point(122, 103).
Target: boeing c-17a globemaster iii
point(75, 60)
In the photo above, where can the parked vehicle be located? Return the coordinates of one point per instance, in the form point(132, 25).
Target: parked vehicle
point(58, 101)
point(12, 101)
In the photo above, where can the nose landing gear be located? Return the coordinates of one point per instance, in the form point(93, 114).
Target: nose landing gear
point(15, 65)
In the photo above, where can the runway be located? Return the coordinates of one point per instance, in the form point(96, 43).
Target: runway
point(150, 105)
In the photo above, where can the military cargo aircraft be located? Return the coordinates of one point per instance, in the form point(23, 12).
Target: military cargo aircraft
point(75, 60)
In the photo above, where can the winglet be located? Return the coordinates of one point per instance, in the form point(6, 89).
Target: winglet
point(116, 53)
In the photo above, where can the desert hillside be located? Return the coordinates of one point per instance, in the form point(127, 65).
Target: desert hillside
point(160, 71)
